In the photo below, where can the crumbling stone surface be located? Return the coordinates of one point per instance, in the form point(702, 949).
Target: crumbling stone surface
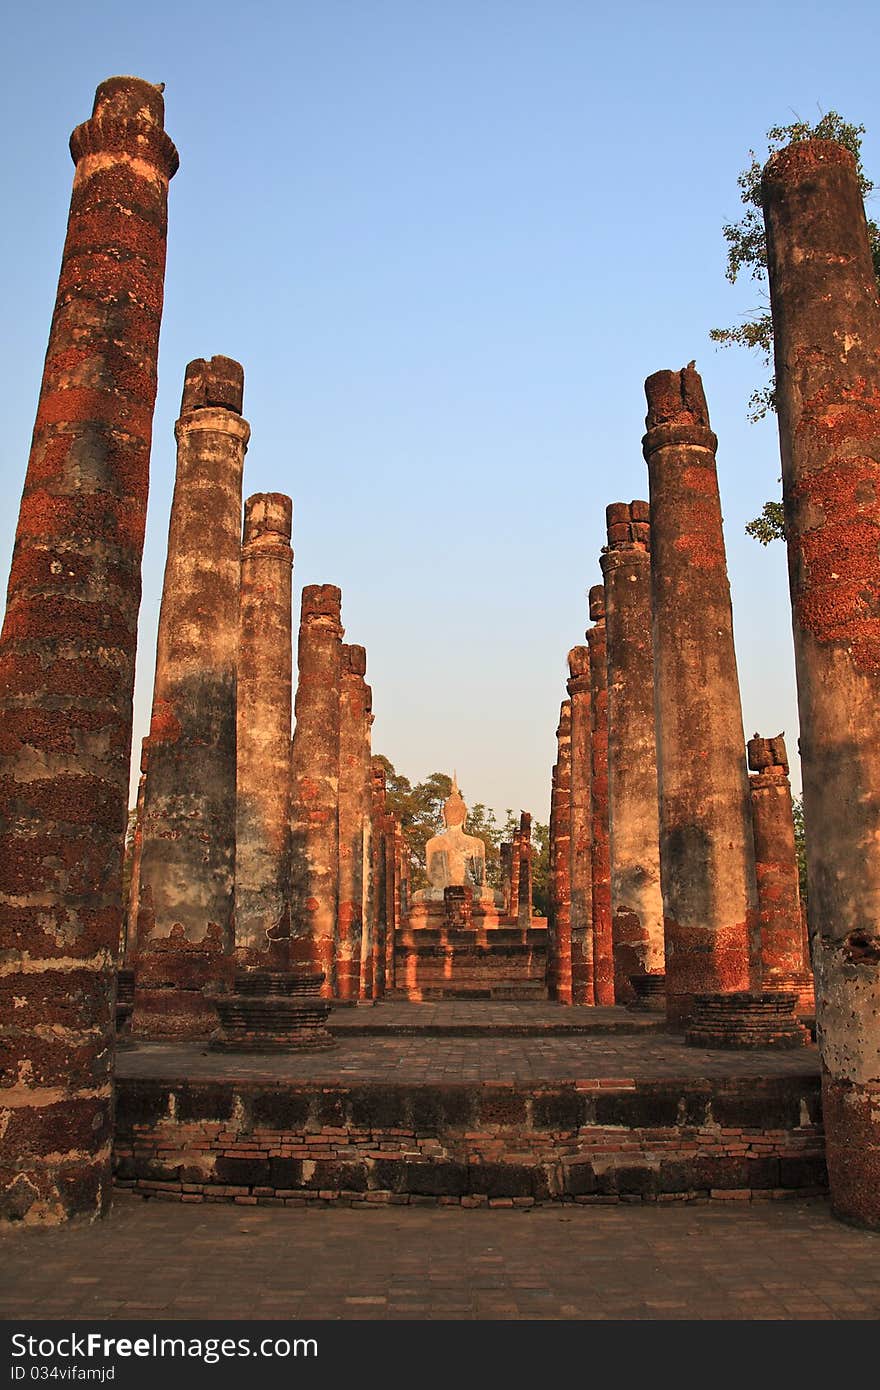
point(581, 869)
point(826, 330)
point(355, 787)
point(782, 964)
point(560, 941)
point(707, 857)
point(265, 658)
point(67, 656)
point(376, 985)
point(314, 870)
point(634, 833)
point(603, 956)
point(524, 871)
point(185, 919)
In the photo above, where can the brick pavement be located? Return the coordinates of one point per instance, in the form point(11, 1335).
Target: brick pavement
point(776, 1260)
point(429, 1059)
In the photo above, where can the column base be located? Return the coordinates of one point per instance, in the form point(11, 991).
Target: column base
point(273, 1011)
point(650, 993)
point(851, 1116)
point(744, 1020)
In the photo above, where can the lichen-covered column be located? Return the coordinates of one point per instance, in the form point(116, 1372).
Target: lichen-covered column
point(782, 964)
point(826, 328)
point(707, 854)
point(354, 814)
point(603, 956)
point(186, 918)
point(562, 858)
point(524, 871)
point(634, 832)
point(380, 895)
point(265, 660)
point(578, 687)
point(314, 853)
point(368, 887)
point(67, 656)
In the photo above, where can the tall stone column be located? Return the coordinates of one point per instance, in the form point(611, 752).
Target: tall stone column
point(134, 882)
point(186, 919)
point(265, 661)
point(826, 329)
point(524, 871)
point(562, 859)
point(707, 855)
point(368, 895)
point(552, 888)
point(354, 816)
point(505, 854)
point(782, 964)
point(392, 899)
point(634, 832)
point(314, 868)
point(603, 956)
point(67, 655)
point(578, 687)
point(515, 862)
point(380, 894)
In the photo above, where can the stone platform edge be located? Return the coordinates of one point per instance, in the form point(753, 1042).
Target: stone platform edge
point(470, 1144)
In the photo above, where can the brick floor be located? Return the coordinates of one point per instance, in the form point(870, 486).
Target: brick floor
point(777, 1260)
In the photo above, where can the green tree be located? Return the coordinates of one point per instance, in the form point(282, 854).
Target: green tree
point(800, 843)
point(747, 254)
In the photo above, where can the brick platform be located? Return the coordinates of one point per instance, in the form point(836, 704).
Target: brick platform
point(499, 1119)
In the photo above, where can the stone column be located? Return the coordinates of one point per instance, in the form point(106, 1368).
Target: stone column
point(67, 665)
point(392, 890)
point(186, 919)
point(515, 862)
point(581, 828)
point(265, 660)
point(134, 882)
point(634, 832)
point(368, 896)
point(380, 895)
point(562, 858)
point(314, 869)
point(782, 965)
point(354, 813)
point(826, 327)
point(505, 852)
point(552, 886)
point(707, 855)
point(524, 871)
point(603, 958)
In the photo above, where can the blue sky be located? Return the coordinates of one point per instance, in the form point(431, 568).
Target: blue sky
point(448, 242)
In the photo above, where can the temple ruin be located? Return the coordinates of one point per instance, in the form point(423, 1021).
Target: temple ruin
point(277, 903)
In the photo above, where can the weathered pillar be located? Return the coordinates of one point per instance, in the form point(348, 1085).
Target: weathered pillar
point(380, 894)
point(134, 881)
point(505, 853)
point(634, 833)
point(603, 958)
point(826, 328)
point(186, 919)
point(392, 900)
point(782, 965)
point(578, 687)
point(562, 859)
point(354, 815)
point(524, 871)
point(314, 868)
point(67, 665)
point(265, 659)
point(552, 886)
point(368, 887)
point(515, 863)
point(707, 855)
